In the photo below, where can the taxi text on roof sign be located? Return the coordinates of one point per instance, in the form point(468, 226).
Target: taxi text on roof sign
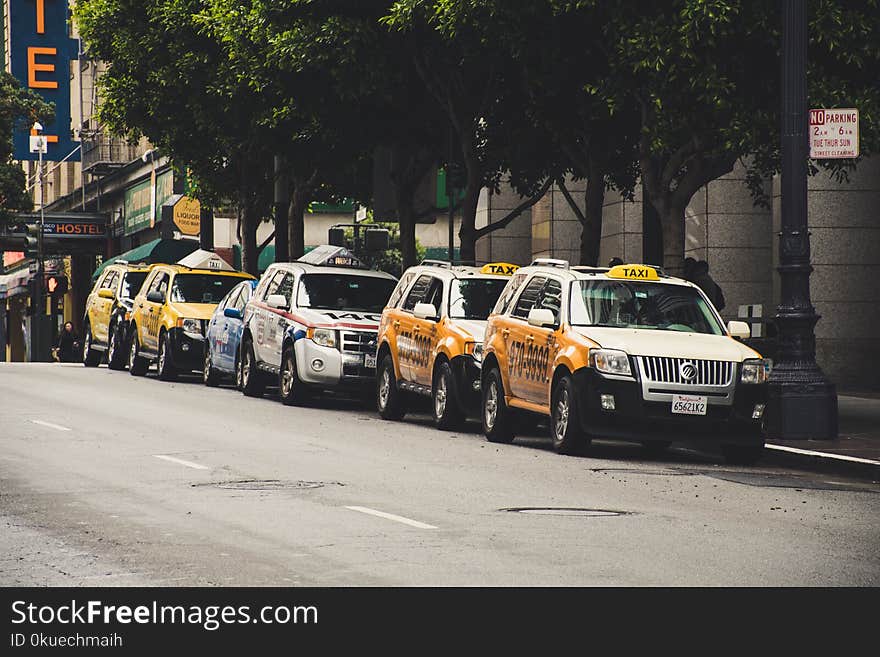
point(637, 272)
point(503, 268)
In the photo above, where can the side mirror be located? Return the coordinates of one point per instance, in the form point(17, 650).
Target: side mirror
point(233, 313)
point(277, 301)
point(156, 297)
point(105, 293)
point(425, 311)
point(739, 329)
point(541, 317)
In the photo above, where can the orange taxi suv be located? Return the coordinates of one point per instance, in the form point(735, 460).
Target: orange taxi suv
point(623, 353)
point(430, 339)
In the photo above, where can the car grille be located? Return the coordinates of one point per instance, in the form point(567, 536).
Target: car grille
point(668, 370)
point(362, 342)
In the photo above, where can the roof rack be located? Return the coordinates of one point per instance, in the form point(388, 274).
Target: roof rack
point(589, 269)
point(446, 264)
point(549, 262)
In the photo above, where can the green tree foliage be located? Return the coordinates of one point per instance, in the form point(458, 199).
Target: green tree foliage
point(19, 108)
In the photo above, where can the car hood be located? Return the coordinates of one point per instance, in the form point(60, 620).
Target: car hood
point(476, 328)
point(195, 310)
point(354, 319)
point(647, 342)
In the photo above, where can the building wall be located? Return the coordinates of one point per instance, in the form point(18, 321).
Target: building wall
point(845, 245)
point(512, 244)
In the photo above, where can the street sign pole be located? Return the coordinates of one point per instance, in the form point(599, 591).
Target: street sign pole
point(802, 403)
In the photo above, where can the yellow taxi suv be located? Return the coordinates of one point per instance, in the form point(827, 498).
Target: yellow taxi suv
point(430, 338)
point(170, 316)
point(624, 353)
point(108, 312)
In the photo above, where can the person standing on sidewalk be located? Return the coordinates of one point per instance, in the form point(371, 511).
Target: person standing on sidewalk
point(67, 345)
point(700, 277)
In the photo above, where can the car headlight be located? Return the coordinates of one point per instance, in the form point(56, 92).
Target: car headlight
point(474, 349)
point(756, 370)
point(190, 326)
point(323, 337)
point(610, 361)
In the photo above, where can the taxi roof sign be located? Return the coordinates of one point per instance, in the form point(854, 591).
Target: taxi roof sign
point(634, 272)
point(502, 268)
point(334, 256)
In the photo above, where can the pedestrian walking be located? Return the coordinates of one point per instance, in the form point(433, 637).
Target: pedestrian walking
point(701, 278)
point(67, 346)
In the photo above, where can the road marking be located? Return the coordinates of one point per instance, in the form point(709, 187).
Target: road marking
point(391, 516)
point(189, 464)
point(810, 452)
point(51, 426)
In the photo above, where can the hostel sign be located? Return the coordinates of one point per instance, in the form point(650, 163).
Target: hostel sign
point(40, 52)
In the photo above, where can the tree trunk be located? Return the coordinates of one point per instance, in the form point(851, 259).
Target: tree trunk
point(249, 252)
point(404, 200)
point(296, 244)
point(467, 234)
point(673, 228)
point(594, 200)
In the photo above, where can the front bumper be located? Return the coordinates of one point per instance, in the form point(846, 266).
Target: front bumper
point(187, 351)
point(330, 368)
point(467, 382)
point(634, 418)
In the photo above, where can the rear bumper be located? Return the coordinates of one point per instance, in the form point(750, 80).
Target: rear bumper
point(633, 418)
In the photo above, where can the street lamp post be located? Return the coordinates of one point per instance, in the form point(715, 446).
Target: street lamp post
point(39, 328)
point(802, 401)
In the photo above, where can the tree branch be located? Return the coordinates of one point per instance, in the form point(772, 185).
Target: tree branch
point(571, 202)
point(513, 214)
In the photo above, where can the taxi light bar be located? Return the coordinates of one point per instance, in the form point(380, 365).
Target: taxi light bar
point(503, 268)
point(549, 262)
point(634, 272)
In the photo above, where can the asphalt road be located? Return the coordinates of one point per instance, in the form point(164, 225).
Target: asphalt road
point(107, 479)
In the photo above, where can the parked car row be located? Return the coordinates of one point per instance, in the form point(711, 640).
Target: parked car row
point(626, 352)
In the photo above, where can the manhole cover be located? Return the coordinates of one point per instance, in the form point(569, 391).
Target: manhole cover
point(565, 511)
point(266, 484)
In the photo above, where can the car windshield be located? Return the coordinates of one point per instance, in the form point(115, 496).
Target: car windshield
point(474, 298)
point(202, 288)
point(132, 282)
point(627, 304)
point(344, 292)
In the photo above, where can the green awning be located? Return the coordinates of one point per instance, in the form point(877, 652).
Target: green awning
point(160, 250)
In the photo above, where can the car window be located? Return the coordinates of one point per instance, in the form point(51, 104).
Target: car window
point(231, 299)
point(285, 287)
point(434, 294)
point(131, 283)
point(529, 297)
point(474, 298)
point(402, 286)
point(202, 288)
point(509, 294)
point(344, 292)
point(160, 284)
point(244, 297)
point(418, 291)
point(551, 298)
point(273, 284)
point(109, 281)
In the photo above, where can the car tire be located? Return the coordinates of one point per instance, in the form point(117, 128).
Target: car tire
point(163, 362)
point(91, 357)
point(565, 428)
point(389, 398)
point(495, 414)
point(210, 376)
point(291, 390)
point(445, 400)
point(742, 454)
point(252, 384)
point(237, 370)
point(137, 365)
point(116, 351)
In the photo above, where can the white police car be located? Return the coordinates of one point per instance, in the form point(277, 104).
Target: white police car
point(311, 324)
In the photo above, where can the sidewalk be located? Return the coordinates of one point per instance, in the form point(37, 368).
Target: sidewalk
point(857, 448)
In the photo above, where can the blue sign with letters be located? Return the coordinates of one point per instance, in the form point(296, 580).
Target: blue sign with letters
point(40, 54)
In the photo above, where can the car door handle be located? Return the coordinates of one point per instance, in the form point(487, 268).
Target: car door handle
point(417, 328)
point(505, 332)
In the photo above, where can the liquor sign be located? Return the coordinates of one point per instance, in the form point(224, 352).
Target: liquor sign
point(834, 133)
point(40, 52)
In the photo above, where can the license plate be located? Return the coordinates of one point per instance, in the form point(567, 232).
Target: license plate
point(370, 361)
point(689, 404)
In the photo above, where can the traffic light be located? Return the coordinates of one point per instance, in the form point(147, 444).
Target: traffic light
point(56, 285)
point(32, 241)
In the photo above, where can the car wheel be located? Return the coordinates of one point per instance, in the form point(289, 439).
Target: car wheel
point(210, 377)
point(389, 399)
point(495, 414)
point(565, 428)
point(116, 349)
point(166, 369)
point(742, 454)
point(444, 397)
point(91, 356)
point(291, 390)
point(237, 371)
point(137, 365)
point(251, 383)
